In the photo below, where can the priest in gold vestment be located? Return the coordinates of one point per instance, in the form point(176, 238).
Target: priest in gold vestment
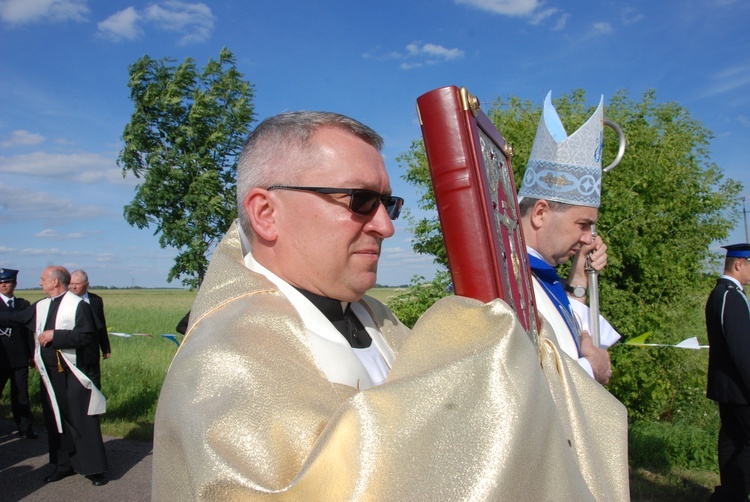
point(291, 384)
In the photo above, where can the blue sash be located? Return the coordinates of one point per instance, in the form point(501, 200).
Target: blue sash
point(552, 284)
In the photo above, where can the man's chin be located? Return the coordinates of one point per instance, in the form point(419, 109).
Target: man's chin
point(366, 286)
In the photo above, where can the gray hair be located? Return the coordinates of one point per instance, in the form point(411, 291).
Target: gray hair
point(280, 148)
point(82, 273)
point(61, 274)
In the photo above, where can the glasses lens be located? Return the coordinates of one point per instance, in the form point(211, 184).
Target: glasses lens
point(393, 206)
point(364, 202)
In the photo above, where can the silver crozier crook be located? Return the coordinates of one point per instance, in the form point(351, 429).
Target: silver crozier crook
point(593, 275)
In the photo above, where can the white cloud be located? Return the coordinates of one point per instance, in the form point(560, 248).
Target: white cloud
point(391, 255)
point(729, 79)
point(51, 252)
point(193, 21)
point(107, 258)
point(434, 50)
point(505, 7)
point(57, 236)
point(28, 11)
point(603, 28)
point(78, 167)
point(534, 10)
point(22, 138)
point(541, 15)
point(630, 16)
point(420, 54)
point(20, 205)
point(561, 22)
point(121, 25)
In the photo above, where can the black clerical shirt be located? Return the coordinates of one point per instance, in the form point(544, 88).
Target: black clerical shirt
point(342, 318)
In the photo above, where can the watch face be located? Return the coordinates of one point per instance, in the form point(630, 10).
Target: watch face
point(579, 291)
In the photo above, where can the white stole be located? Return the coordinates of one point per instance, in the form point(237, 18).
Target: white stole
point(66, 317)
point(564, 337)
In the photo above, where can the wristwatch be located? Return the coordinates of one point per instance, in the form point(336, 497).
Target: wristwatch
point(577, 291)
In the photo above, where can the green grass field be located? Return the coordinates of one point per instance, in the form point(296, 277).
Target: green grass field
point(132, 378)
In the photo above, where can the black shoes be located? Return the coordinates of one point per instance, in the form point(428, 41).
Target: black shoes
point(98, 479)
point(58, 475)
point(29, 434)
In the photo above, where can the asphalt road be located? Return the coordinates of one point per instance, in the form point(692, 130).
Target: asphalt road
point(24, 465)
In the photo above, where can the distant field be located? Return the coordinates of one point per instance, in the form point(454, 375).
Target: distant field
point(384, 294)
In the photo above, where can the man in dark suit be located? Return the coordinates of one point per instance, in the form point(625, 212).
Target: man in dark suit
point(16, 349)
point(79, 285)
point(65, 353)
point(728, 326)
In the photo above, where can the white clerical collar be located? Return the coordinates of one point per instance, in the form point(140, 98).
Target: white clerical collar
point(733, 280)
point(535, 253)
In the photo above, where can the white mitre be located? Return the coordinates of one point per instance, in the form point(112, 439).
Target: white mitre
point(564, 168)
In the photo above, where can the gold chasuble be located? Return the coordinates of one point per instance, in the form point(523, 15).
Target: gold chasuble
point(471, 410)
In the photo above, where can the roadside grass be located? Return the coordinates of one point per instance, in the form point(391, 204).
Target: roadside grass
point(648, 485)
point(132, 378)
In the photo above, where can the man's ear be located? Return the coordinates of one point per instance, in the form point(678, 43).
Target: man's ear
point(539, 211)
point(738, 264)
point(261, 212)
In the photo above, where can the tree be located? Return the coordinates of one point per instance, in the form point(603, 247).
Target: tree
point(661, 209)
point(183, 139)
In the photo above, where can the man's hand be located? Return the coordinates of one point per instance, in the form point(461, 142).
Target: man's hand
point(106, 355)
point(597, 357)
point(46, 337)
point(598, 251)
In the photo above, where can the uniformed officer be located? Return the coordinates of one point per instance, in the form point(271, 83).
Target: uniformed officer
point(728, 326)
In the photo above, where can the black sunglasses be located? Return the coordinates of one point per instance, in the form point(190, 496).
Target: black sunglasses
point(361, 201)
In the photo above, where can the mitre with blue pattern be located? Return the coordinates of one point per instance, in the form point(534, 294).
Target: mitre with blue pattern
point(564, 168)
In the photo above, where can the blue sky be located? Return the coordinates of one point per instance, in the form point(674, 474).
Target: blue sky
point(64, 99)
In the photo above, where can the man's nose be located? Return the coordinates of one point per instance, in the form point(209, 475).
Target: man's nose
point(382, 222)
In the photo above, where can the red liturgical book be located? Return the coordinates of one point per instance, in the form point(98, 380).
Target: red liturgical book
point(470, 166)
